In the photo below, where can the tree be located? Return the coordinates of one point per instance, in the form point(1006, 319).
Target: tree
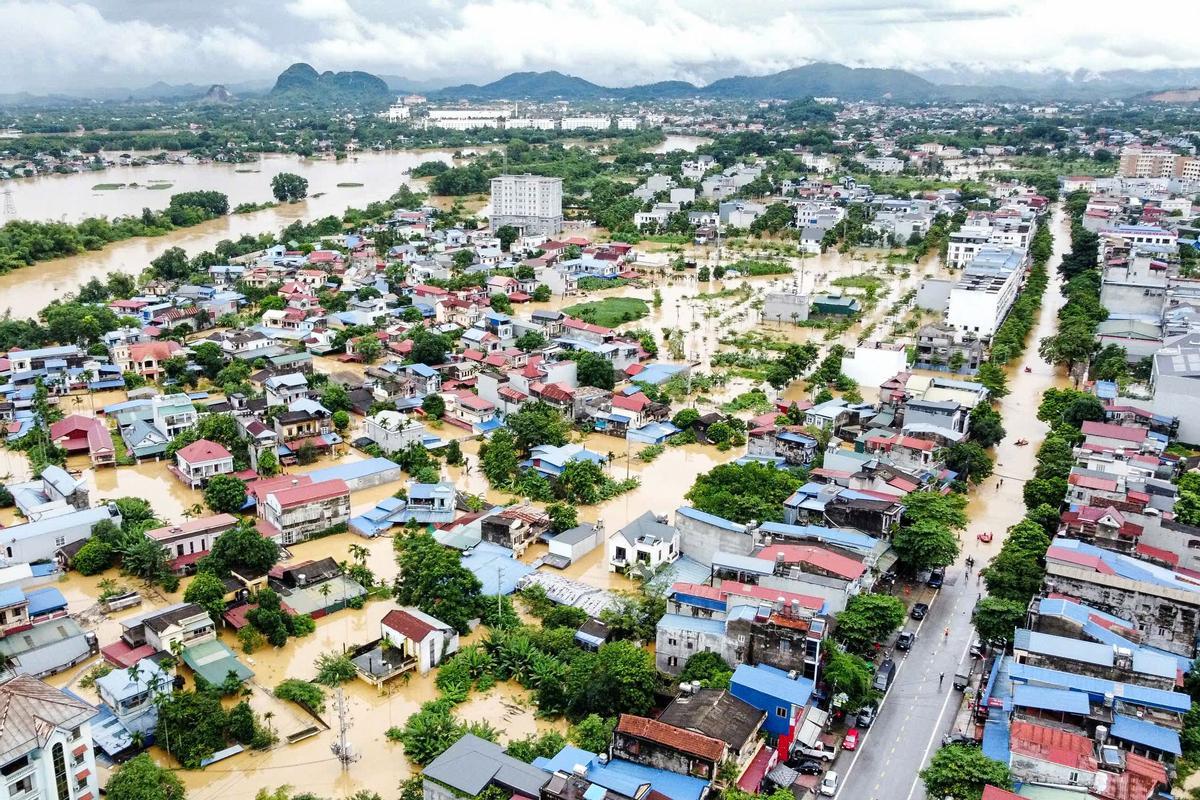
point(925, 545)
point(987, 427)
point(192, 725)
point(969, 460)
point(619, 678)
point(685, 418)
point(429, 348)
point(1073, 344)
point(948, 510)
point(140, 778)
point(538, 423)
point(867, 619)
point(94, 557)
point(1048, 491)
point(463, 259)
point(433, 405)
point(709, 668)
point(541, 293)
point(563, 517)
point(429, 732)
point(1015, 573)
point(592, 733)
point(994, 378)
point(580, 482)
point(433, 579)
point(960, 772)
point(744, 492)
point(849, 674)
point(507, 234)
point(268, 464)
point(996, 618)
point(499, 302)
point(335, 397)
point(225, 494)
point(369, 348)
point(241, 548)
point(530, 340)
point(340, 420)
point(207, 591)
point(289, 187)
point(499, 458)
point(172, 264)
point(334, 668)
point(592, 369)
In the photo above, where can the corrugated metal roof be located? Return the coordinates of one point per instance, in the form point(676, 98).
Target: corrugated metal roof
point(1139, 731)
point(1042, 697)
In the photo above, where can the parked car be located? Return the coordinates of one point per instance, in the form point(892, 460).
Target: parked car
point(850, 740)
point(936, 578)
point(809, 766)
point(866, 716)
point(829, 784)
point(905, 640)
point(959, 738)
point(817, 752)
point(919, 610)
point(884, 675)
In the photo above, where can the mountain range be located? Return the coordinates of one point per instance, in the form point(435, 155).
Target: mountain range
point(949, 83)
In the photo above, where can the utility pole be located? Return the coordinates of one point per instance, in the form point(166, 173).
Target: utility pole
point(342, 749)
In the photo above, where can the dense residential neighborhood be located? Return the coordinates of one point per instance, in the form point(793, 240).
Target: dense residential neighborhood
point(637, 444)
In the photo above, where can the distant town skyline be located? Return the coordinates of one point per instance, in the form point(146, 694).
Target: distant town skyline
point(63, 46)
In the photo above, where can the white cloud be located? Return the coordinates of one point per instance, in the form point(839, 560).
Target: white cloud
point(62, 45)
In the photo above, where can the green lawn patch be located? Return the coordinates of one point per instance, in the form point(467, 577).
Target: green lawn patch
point(866, 282)
point(609, 312)
point(107, 187)
point(349, 185)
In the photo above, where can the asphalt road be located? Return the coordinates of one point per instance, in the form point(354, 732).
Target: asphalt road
point(916, 712)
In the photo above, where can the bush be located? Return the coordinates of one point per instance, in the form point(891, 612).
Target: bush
point(309, 695)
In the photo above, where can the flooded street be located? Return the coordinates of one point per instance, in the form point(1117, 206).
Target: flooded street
point(997, 504)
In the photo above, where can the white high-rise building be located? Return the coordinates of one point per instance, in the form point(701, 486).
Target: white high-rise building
point(48, 742)
point(530, 203)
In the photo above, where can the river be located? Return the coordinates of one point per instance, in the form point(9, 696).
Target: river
point(71, 197)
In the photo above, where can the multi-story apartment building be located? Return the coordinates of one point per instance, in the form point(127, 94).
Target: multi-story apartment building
point(988, 287)
point(293, 514)
point(530, 203)
point(1154, 162)
point(47, 743)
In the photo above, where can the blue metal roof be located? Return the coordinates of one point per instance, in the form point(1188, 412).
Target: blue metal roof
point(686, 622)
point(840, 536)
point(1043, 697)
point(995, 739)
point(773, 682)
point(740, 563)
point(1098, 687)
point(1139, 731)
point(352, 470)
point(1063, 647)
point(711, 519)
point(11, 596)
point(45, 600)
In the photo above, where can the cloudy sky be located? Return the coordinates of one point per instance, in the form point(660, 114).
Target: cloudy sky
point(55, 45)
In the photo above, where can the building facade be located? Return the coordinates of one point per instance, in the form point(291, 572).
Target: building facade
point(530, 203)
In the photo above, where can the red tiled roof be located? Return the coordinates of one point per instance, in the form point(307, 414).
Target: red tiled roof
point(407, 625)
point(809, 554)
point(992, 793)
point(634, 402)
point(696, 744)
point(312, 493)
point(1157, 554)
point(260, 488)
point(203, 450)
point(1052, 744)
point(580, 325)
point(158, 351)
point(1125, 433)
point(1065, 555)
point(193, 526)
point(1092, 482)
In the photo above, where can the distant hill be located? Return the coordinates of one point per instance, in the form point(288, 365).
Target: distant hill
point(301, 81)
point(217, 95)
point(810, 80)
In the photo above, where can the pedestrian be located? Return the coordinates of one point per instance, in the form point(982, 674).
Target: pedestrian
point(941, 678)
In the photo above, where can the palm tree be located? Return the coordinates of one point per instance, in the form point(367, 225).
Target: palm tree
point(359, 553)
point(137, 740)
point(194, 510)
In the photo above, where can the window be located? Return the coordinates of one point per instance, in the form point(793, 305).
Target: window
point(59, 541)
point(781, 712)
point(62, 788)
point(672, 661)
point(21, 787)
point(688, 645)
point(672, 641)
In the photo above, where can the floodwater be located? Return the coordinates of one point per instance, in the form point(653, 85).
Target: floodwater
point(71, 197)
point(677, 141)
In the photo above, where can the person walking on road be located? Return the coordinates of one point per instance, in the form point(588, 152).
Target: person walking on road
point(941, 678)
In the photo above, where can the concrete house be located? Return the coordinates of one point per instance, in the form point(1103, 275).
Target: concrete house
point(41, 539)
point(197, 463)
point(188, 542)
point(425, 638)
point(294, 513)
point(654, 743)
point(47, 743)
point(643, 545)
point(130, 694)
point(393, 431)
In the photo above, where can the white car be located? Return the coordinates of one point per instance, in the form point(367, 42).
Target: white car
point(829, 784)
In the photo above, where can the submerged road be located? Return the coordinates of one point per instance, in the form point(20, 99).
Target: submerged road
point(917, 712)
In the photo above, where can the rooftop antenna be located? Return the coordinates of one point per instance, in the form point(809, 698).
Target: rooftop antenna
point(343, 751)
